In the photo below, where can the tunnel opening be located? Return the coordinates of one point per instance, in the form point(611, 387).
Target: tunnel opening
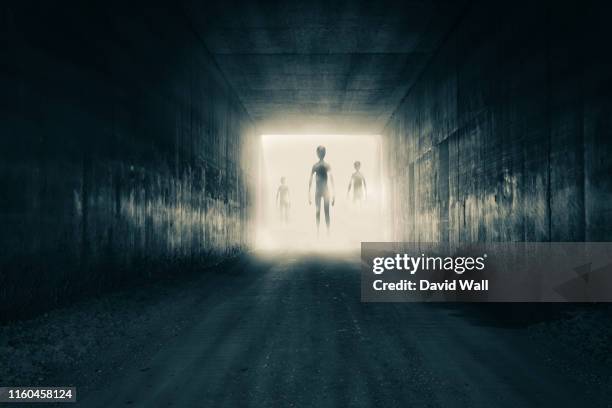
point(354, 217)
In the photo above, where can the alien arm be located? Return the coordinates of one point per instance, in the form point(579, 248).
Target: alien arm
point(310, 185)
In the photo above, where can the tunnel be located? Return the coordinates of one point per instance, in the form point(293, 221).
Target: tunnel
point(142, 148)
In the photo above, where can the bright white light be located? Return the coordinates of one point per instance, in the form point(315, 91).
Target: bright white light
point(293, 156)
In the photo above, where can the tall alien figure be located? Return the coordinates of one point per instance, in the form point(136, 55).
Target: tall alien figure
point(322, 192)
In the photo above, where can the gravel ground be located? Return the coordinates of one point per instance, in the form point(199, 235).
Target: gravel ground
point(87, 344)
point(580, 345)
point(84, 344)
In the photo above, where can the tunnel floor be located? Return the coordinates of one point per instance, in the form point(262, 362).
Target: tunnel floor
point(290, 330)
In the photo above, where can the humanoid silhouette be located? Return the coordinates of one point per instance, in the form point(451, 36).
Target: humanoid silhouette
point(283, 201)
point(322, 193)
point(358, 182)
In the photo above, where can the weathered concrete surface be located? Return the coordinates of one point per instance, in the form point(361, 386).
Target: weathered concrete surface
point(506, 136)
point(121, 151)
point(321, 66)
point(292, 332)
point(124, 148)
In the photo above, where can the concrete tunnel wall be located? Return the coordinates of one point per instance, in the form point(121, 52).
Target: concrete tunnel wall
point(121, 152)
point(507, 134)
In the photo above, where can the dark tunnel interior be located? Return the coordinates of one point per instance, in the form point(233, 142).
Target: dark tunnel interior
point(130, 149)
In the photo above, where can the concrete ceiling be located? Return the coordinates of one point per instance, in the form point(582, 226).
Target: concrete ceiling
point(321, 66)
